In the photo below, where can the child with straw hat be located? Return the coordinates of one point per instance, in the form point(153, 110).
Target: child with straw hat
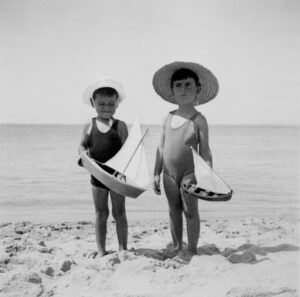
point(185, 84)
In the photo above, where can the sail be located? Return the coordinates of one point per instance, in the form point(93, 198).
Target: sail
point(206, 178)
point(131, 159)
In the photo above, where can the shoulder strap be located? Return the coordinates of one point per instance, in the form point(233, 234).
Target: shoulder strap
point(89, 130)
point(168, 118)
point(194, 116)
point(196, 131)
point(115, 124)
point(92, 125)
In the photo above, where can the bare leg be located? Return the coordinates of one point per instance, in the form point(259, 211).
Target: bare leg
point(190, 208)
point(175, 210)
point(119, 214)
point(100, 197)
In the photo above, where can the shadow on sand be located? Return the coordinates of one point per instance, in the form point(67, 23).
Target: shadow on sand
point(245, 253)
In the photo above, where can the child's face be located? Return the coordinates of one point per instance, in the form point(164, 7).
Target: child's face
point(105, 106)
point(185, 91)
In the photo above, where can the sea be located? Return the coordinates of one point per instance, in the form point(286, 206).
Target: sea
point(40, 180)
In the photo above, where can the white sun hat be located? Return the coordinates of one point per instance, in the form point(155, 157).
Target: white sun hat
point(104, 82)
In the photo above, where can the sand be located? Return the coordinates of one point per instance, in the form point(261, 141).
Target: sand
point(246, 257)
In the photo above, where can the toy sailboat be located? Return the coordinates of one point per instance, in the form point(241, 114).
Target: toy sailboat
point(210, 186)
point(131, 175)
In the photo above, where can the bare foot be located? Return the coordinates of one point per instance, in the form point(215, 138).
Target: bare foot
point(100, 254)
point(174, 252)
point(183, 257)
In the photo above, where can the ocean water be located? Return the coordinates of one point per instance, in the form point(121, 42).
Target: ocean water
point(41, 182)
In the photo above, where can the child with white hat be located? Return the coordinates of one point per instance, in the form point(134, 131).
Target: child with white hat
point(102, 138)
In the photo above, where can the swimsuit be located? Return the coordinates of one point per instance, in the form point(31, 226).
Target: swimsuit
point(177, 154)
point(103, 146)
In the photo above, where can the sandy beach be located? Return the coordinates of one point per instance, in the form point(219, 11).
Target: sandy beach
point(236, 257)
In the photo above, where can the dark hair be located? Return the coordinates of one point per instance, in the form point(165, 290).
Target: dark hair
point(106, 91)
point(184, 73)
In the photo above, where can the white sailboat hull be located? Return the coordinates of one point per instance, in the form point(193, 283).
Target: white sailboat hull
point(206, 195)
point(112, 182)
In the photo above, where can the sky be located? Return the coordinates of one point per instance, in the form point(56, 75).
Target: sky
point(51, 50)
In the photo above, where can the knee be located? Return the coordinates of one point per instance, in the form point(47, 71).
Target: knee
point(175, 211)
point(119, 213)
point(102, 215)
point(191, 214)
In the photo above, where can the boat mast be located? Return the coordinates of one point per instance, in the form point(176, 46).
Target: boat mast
point(140, 142)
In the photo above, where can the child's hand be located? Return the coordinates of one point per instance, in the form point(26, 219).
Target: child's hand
point(79, 162)
point(156, 184)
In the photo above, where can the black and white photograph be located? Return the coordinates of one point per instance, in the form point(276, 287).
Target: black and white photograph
point(149, 148)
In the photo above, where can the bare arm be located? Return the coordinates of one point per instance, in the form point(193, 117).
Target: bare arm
point(204, 150)
point(123, 131)
point(83, 140)
point(159, 163)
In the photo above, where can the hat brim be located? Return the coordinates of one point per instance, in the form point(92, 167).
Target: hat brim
point(102, 83)
point(162, 82)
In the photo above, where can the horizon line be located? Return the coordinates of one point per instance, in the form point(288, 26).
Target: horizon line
point(158, 124)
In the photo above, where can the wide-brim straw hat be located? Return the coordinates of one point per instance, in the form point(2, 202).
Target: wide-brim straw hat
point(162, 82)
point(102, 83)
